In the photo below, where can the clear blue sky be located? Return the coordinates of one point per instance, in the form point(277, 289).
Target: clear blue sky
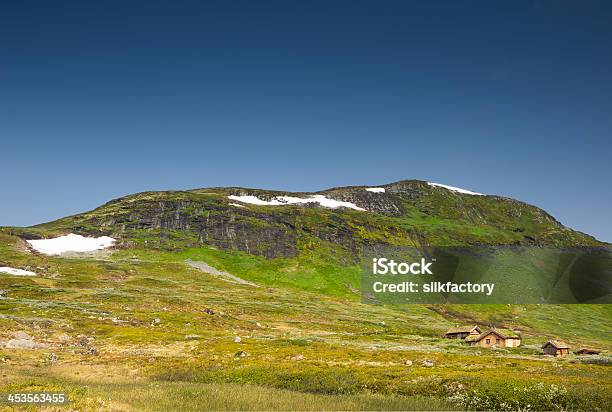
point(102, 99)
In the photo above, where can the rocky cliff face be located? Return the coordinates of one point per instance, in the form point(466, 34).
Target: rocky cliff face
point(406, 213)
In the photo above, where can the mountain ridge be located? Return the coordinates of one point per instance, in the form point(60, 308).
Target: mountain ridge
point(406, 213)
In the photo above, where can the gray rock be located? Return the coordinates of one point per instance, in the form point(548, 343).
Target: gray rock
point(408, 362)
point(91, 351)
point(22, 335)
point(192, 337)
point(427, 363)
point(24, 344)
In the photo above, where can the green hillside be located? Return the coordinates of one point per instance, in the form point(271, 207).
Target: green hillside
point(158, 317)
point(409, 212)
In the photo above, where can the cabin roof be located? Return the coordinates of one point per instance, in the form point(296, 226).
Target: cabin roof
point(506, 333)
point(502, 333)
point(556, 344)
point(463, 329)
point(591, 350)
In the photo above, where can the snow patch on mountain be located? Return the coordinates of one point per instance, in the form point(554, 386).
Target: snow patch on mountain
point(455, 189)
point(290, 200)
point(376, 189)
point(16, 272)
point(71, 243)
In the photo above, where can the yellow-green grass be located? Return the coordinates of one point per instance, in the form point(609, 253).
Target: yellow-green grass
point(298, 345)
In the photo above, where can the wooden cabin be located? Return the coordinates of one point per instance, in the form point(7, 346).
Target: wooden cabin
point(502, 338)
point(555, 348)
point(462, 332)
point(587, 351)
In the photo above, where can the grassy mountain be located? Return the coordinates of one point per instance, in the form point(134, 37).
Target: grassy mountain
point(407, 213)
point(154, 324)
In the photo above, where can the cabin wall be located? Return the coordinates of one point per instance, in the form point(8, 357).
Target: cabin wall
point(492, 340)
point(513, 343)
point(550, 350)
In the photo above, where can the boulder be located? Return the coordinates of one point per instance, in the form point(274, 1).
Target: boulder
point(22, 335)
point(21, 340)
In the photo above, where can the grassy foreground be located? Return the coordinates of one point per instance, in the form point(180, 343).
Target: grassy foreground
point(141, 330)
point(92, 392)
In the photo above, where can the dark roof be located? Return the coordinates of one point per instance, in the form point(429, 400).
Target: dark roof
point(463, 329)
point(588, 351)
point(557, 344)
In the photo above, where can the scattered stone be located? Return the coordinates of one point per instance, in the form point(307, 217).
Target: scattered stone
point(427, 363)
point(408, 362)
point(241, 354)
point(53, 358)
point(209, 311)
point(22, 335)
point(91, 351)
point(155, 321)
point(237, 339)
point(82, 340)
point(192, 337)
point(297, 357)
point(20, 344)
point(22, 340)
